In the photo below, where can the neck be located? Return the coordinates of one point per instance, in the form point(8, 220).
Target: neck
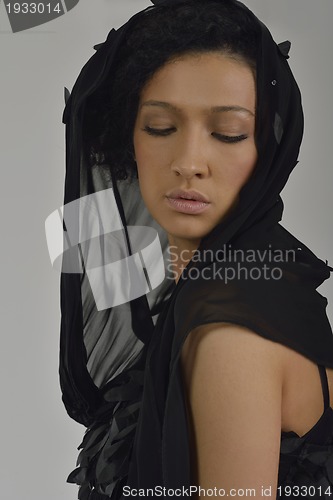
point(181, 252)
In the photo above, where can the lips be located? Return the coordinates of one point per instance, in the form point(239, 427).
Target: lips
point(187, 202)
point(187, 195)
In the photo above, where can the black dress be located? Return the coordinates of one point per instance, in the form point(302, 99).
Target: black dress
point(306, 463)
point(159, 458)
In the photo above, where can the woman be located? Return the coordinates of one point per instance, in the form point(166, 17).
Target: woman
point(208, 377)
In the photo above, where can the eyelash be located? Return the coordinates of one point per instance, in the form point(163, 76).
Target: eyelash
point(159, 132)
point(229, 139)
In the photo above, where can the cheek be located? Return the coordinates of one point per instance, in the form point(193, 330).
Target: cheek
point(146, 168)
point(145, 152)
point(238, 168)
point(142, 158)
point(153, 161)
point(139, 150)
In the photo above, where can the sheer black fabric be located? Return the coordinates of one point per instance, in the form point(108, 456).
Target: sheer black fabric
point(119, 361)
point(306, 463)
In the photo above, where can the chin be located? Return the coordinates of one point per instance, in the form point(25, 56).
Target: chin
point(187, 230)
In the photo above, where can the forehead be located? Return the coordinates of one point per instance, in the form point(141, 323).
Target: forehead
point(204, 81)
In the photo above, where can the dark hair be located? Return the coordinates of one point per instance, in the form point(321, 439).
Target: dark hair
point(161, 34)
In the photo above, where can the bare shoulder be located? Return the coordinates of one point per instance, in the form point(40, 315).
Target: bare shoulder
point(241, 391)
point(233, 381)
point(229, 330)
point(239, 348)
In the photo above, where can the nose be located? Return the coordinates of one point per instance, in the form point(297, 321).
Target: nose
point(190, 158)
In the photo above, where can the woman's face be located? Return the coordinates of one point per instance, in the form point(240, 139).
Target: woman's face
point(194, 142)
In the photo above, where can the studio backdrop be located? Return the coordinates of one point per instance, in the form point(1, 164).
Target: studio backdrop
point(43, 46)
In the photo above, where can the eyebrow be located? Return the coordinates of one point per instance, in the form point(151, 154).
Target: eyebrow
point(214, 109)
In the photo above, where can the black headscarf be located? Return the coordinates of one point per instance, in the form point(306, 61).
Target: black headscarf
point(119, 357)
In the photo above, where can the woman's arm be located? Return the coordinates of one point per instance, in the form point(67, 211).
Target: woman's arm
point(233, 382)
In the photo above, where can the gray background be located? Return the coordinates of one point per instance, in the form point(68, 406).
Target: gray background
point(38, 440)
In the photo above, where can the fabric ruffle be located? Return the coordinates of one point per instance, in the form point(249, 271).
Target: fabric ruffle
point(103, 462)
point(308, 463)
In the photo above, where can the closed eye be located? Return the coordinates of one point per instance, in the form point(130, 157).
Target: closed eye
point(159, 132)
point(163, 132)
point(229, 139)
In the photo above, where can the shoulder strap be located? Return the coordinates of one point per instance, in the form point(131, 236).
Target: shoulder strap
point(324, 384)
